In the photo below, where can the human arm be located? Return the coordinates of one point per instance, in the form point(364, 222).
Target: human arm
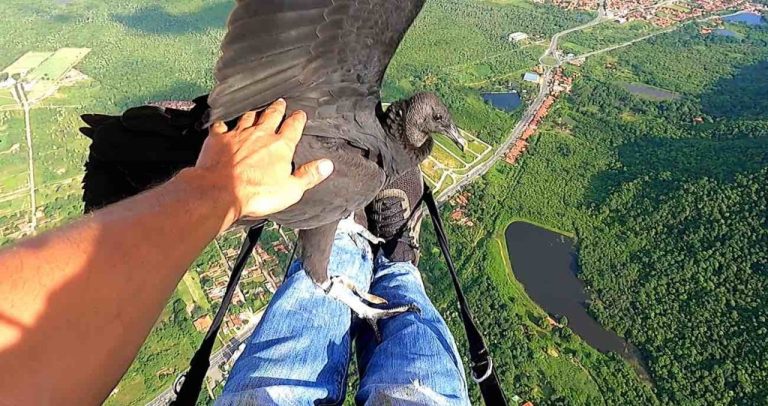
point(77, 303)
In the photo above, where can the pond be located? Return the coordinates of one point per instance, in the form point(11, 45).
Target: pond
point(545, 263)
point(725, 33)
point(507, 101)
point(746, 17)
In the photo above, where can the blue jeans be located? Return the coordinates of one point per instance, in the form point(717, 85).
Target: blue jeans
point(300, 352)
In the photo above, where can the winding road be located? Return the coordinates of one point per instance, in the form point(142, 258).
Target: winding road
point(544, 90)
point(501, 151)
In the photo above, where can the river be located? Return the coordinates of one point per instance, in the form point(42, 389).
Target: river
point(545, 263)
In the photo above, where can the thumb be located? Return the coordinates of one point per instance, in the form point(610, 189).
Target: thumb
point(313, 173)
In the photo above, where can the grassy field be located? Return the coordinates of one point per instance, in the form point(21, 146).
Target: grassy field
point(55, 66)
point(650, 92)
point(604, 35)
point(27, 62)
point(191, 291)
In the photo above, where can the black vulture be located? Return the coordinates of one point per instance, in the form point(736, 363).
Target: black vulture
point(325, 57)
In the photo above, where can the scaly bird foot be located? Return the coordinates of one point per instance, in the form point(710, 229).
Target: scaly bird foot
point(346, 292)
point(350, 226)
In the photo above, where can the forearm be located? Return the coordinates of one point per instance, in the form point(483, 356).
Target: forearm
point(79, 302)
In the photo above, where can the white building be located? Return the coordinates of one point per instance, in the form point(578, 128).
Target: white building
point(532, 77)
point(7, 83)
point(517, 37)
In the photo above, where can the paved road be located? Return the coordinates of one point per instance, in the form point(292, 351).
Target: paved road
point(645, 37)
point(553, 45)
point(219, 358)
point(501, 151)
point(21, 98)
point(545, 89)
point(517, 132)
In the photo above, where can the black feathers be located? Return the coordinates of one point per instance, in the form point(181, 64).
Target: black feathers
point(326, 57)
point(142, 148)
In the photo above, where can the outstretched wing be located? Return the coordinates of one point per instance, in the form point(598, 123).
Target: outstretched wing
point(326, 57)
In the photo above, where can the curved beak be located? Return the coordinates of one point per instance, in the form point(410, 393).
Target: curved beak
point(455, 135)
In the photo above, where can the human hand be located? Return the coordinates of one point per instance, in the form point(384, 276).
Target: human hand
point(253, 163)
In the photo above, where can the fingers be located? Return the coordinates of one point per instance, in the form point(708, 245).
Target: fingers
point(246, 121)
point(293, 127)
point(218, 128)
point(272, 116)
point(313, 173)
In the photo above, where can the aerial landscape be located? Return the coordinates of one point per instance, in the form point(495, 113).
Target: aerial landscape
point(609, 217)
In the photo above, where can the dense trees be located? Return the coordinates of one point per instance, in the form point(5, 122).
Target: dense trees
point(670, 216)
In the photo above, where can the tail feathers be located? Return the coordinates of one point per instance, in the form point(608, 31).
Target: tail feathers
point(140, 149)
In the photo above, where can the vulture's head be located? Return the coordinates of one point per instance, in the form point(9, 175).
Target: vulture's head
point(426, 115)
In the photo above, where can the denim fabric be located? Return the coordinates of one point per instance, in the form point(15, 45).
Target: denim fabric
point(300, 352)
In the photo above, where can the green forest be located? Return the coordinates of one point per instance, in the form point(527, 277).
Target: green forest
point(668, 202)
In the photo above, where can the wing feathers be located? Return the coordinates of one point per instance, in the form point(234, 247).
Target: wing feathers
point(286, 48)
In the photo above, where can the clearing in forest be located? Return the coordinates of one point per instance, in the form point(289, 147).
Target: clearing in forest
point(42, 73)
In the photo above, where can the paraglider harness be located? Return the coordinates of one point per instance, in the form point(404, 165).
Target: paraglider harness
point(190, 383)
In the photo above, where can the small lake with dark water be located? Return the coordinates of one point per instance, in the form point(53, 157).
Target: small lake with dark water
point(545, 263)
point(507, 101)
point(746, 17)
point(724, 33)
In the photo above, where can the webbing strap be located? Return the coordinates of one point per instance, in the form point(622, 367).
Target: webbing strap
point(482, 365)
point(192, 381)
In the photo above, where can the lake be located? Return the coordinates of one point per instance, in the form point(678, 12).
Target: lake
point(545, 263)
point(724, 33)
point(507, 101)
point(746, 17)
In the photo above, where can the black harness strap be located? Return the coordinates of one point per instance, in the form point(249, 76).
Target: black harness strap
point(192, 381)
point(482, 364)
point(483, 372)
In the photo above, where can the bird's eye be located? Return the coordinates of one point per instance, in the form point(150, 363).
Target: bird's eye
point(438, 117)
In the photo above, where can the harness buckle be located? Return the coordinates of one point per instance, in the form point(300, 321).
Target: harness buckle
point(487, 374)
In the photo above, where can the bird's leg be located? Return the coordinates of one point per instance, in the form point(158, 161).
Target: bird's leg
point(316, 250)
point(344, 291)
point(350, 226)
point(373, 299)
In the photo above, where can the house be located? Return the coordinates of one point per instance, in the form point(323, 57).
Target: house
point(280, 247)
point(457, 215)
point(203, 324)
point(532, 77)
point(517, 37)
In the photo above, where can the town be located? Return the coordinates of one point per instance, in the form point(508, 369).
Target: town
point(661, 14)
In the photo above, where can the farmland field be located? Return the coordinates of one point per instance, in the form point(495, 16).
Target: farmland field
point(59, 63)
point(650, 92)
point(27, 62)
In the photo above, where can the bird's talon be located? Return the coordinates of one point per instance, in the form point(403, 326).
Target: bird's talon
point(378, 241)
point(376, 332)
point(414, 309)
point(373, 299)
